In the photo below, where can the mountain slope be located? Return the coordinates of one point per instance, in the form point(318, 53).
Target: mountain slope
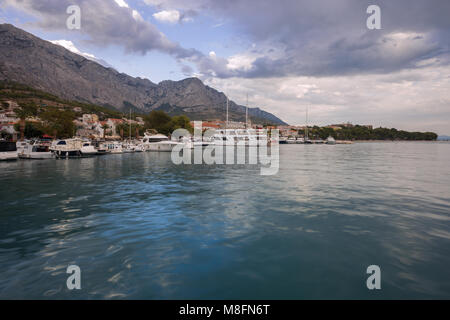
point(27, 59)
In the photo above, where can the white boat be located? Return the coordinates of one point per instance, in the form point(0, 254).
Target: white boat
point(21, 145)
point(114, 147)
point(291, 141)
point(69, 148)
point(101, 147)
point(158, 143)
point(255, 137)
point(8, 151)
point(35, 150)
point(129, 148)
point(88, 149)
point(331, 141)
point(198, 142)
point(246, 137)
point(225, 137)
point(139, 148)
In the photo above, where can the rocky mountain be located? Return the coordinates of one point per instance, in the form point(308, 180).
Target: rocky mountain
point(43, 65)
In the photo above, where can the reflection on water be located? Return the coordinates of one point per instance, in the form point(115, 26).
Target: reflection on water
point(141, 227)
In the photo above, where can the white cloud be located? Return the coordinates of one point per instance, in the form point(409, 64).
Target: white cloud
point(122, 3)
point(241, 62)
point(137, 16)
point(168, 16)
point(71, 47)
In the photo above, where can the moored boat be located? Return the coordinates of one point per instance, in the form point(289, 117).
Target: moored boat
point(88, 149)
point(291, 141)
point(69, 148)
point(35, 150)
point(158, 143)
point(331, 141)
point(114, 147)
point(129, 147)
point(8, 151)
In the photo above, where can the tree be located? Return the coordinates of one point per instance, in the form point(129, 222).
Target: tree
point(58, 121)
point(31, 130)
point(104, 127)
point(163, 123)
point(135, 130)
point(158, 120)
point(26, 110)
point(181, 122)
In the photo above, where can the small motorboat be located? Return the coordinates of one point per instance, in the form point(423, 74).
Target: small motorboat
point(88, 149)
point(331, 141)
point(35, 150)
point(69, 148)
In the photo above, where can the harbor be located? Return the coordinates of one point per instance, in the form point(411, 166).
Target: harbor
point(224, 159)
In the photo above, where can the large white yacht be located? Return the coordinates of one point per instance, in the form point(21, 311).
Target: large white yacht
point(158, 143)
point(225, 137)
point(8, 151)
point(245, 137)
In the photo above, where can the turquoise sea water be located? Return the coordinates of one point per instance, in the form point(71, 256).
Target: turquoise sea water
point(140, 227)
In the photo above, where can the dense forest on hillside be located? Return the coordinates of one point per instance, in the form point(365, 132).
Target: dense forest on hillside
point(364, 133)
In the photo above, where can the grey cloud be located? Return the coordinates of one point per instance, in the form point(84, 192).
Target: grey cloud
point(105, 23)
point(294, 37)
point(326, 37)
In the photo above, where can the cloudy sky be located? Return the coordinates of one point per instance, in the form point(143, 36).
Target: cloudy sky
point(286, 54)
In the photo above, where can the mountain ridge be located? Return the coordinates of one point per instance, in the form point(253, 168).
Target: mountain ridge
point(27, 59)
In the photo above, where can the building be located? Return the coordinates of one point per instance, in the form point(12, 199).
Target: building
point(8, 117)
point(113, 125)
point(209, 125)
point(9, 128)
point(90, 119)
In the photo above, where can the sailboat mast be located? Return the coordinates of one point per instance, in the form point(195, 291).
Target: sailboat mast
point(307, 129)
point(246, 114)
point(130, 124)
point(228, 102)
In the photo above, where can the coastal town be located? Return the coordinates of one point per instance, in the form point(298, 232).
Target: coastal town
point(91, 126)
